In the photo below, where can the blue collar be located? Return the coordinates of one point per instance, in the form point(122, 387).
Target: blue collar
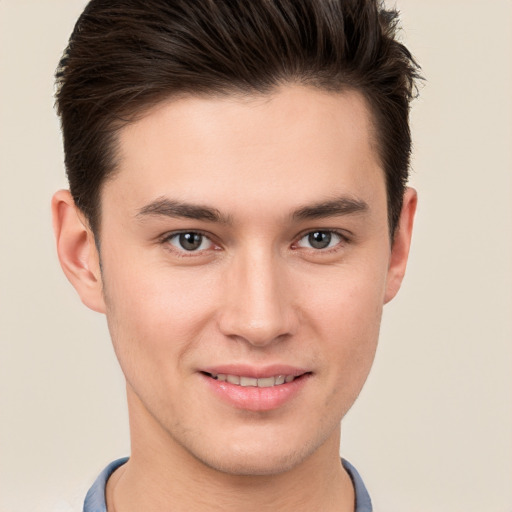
point(95, 499)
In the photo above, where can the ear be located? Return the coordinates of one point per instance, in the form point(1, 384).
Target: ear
point(77, 250)
point(401, 245)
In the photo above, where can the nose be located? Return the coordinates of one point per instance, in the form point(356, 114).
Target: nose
point(257, 304)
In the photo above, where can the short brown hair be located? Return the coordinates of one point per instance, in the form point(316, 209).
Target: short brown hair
point(126, 55)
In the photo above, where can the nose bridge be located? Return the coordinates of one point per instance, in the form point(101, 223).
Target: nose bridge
point(256, 303)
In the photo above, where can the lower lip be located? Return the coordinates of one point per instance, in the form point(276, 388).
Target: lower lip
point(252, 398)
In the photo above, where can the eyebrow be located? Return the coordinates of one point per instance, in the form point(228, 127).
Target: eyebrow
point(332, 208)
point(177, 209)
point(170, 208)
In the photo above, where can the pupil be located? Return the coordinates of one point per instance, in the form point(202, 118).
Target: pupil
point(320, 239)
point(191, 241)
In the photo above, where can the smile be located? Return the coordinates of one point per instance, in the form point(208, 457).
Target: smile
point(266, 382)
point(256, 389)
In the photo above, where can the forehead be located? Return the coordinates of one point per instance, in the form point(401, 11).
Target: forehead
point(297, 144)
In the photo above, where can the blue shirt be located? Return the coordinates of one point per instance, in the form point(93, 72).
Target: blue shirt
point(95, 499)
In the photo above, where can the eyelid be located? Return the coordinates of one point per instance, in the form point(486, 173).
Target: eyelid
point(166, 237)
point(344, 236)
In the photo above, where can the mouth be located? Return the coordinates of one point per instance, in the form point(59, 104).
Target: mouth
point(263, 382)
point(256, 389)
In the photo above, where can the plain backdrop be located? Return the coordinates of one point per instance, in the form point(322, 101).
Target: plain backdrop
point(432, 430)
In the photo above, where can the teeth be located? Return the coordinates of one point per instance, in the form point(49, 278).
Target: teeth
point(233, 379)
point(248, 381)
point(265, 382)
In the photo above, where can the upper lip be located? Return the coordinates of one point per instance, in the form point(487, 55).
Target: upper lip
point(256, 372)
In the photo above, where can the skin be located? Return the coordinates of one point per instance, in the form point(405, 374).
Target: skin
point(256, 292)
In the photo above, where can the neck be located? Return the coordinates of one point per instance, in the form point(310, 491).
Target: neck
point(162, 476)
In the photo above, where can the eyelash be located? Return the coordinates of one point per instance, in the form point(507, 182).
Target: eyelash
point(343, 240)
point(166, 240)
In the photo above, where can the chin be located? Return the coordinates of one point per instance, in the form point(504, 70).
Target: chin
point(255, 464)
point(263, 457)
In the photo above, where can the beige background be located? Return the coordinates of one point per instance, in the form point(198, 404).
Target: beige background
point(432, 431)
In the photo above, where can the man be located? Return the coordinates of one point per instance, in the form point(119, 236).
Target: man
point(238, 210)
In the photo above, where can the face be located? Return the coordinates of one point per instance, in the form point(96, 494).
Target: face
point(245, 263)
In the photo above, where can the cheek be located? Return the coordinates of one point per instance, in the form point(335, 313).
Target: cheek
point(348, 303)
point(156, 316)
point(346, 313)
point(353, 331)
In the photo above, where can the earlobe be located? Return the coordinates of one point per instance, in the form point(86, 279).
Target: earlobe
point(77, 250)
point(401, 245)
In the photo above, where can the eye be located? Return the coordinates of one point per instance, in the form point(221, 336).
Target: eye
point(190, 241)
point(320, 240)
